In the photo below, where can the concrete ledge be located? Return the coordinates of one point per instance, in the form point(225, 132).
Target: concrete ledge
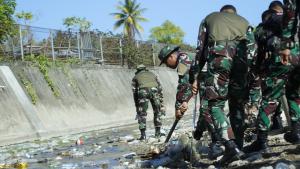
point(91, 97)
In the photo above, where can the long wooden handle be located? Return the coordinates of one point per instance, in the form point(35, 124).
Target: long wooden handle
point(172, 130)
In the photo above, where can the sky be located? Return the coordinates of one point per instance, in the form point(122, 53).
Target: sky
point(186, 14)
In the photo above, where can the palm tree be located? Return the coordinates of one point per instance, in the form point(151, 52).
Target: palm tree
point(130, 15)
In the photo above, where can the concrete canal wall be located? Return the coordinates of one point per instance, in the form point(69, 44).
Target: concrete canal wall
point(84, 98)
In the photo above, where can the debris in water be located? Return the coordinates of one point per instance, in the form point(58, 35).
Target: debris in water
point(129, 155)
point(126, 139)
point(79, 141)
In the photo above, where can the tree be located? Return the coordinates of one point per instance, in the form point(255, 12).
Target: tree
point(77, 23)
point(7, 9)
point(167, 33)
point(129, 16)
point(24, 17)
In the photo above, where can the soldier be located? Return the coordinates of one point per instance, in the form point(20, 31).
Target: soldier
point(283, 49)
point(185, 65)
point(290, 36)
point(260, 36)
point(146, 87)
point(293, 97)
point(223, 37)
point(187, 72)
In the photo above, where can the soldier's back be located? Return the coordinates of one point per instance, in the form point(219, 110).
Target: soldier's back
point(226, 26)
point(146, 79)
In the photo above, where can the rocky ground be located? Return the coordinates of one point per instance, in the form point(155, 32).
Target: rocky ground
point(119, 148)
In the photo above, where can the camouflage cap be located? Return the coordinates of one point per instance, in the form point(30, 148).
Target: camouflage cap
point(140, 67)
point(165, 52)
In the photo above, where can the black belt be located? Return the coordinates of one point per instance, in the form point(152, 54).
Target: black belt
point(223, 43)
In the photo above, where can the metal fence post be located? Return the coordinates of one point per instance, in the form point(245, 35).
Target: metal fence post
point(21, 42)
point(52, 45)
point(121, 52)
point(78, 45)
point(11, 42)
point(101, 49)
point(153, 54)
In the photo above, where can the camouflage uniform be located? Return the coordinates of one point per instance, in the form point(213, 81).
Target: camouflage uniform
point(220, 60)
point(275, 73)
point(293, 85)
point(203, 119)
point(186, 70)
point(222, 44)
point(274, 76)
point(244, 86)
point(146, 87)
point(291, 35)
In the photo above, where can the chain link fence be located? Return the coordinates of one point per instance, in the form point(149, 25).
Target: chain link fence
point(58, 44)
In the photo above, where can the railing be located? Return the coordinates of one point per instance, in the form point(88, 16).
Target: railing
point(58, 44)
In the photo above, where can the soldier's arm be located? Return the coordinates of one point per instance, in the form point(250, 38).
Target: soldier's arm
point(161, 96)
point(134, 86)
point(201, 50)
point(290, 19)
point(261, 52)
point(252, 58)
point(159, 87)
point(184, 88)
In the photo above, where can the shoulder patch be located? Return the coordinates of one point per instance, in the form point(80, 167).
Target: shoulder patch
point(182, 68)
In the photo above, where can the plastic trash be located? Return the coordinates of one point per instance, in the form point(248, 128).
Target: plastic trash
point(282, 165)
point(79, 142)
point(129, 155)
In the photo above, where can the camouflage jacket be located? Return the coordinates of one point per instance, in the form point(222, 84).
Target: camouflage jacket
point(270, 43)
point(136, 85)
point(246, 49)
point(186, 70)
point(204, 40)
point(291, 30)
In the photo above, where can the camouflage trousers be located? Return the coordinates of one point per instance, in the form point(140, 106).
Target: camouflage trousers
point(244, 90)
point(216, 91)
point(144, 96)
point(293, 86)
point(204, 119)
point(272, 90)
point(274, 86)
point(293, 94)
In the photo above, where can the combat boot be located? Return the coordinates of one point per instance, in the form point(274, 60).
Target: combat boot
point(200, 128)
point(277, 123)
point(143, 134)
point(158, 133)
point(232, 153)
point(260, 144)
point(197, 134)
point(215, 150)
point(294, 135)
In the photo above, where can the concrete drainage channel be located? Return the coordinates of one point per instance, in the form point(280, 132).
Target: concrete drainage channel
point(85, 106)
point(118, 148)
point(86, 98)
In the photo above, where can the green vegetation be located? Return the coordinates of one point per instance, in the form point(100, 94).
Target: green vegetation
point(24, 17)
point(29, 88)
point(7, 9)
point(129, 15)
point(43, 65)
point(167, 33)
point(137, 53)
point(78, 23)
point(70, 79)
